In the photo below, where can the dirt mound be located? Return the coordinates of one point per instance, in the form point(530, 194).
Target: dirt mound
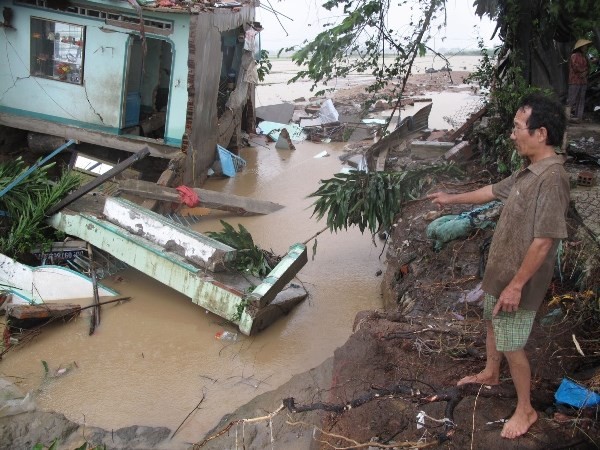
point(389, 371)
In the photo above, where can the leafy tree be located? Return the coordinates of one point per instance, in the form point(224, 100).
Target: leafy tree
point(537, 41)
point(364, 42)
point(264, 65)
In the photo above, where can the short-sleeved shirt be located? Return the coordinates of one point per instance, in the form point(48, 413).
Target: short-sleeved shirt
point(536, 200)
point(578, 69)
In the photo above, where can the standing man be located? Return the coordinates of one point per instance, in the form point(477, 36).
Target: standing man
point(521, 258)
point(579, 67)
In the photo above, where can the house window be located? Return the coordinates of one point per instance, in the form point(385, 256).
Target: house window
point(57, 50)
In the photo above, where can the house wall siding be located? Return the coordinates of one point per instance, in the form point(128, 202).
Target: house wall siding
point(97, 104)
point(205, 66)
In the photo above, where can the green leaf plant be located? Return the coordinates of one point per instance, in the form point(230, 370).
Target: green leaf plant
point(23, 226)
point(371, 200)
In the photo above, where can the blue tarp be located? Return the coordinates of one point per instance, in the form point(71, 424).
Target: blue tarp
point(571, 393)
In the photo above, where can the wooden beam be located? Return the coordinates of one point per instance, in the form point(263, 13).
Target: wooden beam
point(166, 179)
point(468, 124)
point(44, 311)
point(102, 138)
point(209, 199)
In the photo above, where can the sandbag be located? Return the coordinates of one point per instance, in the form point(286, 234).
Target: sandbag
point(450, 227)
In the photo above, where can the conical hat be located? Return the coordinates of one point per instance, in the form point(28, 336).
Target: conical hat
point(581, 43)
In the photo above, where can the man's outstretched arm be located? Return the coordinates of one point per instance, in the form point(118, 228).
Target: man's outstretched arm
point(477, 197)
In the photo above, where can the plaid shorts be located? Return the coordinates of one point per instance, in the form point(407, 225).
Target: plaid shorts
point(511, 329)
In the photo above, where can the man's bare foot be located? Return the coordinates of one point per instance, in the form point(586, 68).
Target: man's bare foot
point(519, 424)
point(480, 378)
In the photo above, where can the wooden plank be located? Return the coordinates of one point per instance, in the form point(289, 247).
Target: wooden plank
point(409, 128)
point(209, 199)
point(468, 124)
point(104, 139)
point(44, 311)
point(167, 178)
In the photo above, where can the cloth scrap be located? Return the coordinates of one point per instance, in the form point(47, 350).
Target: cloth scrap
point(188, 196)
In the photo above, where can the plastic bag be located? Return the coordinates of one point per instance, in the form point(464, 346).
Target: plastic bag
point(328, 113)
point(12, 401)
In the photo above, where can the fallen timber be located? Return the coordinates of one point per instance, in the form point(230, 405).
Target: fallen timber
point(408, 128)
point(242, 206)
point(184, 260)
point(30, 315)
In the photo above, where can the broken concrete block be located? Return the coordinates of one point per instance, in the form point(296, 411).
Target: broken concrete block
point(172, 237)
point(462, 151)
point(281, 113)
point(284, 142)
point(357, 162)
point(429, 149)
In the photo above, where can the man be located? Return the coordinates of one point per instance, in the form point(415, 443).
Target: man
point(521, 258)
point(579, 67)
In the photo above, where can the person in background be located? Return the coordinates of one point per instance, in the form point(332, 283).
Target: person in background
point(579, 67)
point(521, 257)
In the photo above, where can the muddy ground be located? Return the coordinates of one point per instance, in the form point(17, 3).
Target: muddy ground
point(403, 360)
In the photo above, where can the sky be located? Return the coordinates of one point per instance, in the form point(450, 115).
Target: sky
point(305, 19)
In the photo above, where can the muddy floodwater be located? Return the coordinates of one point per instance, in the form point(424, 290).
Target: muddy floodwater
point(155, 359)
point(152, 360)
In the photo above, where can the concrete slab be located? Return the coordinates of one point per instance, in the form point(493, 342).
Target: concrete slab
point(195, 247)
point(281, 113)
point(429, 149)
point(284, 142)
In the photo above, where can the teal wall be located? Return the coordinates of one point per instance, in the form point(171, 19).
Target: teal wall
point(97, 104)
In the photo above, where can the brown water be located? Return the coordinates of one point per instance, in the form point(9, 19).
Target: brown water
point(153, 359)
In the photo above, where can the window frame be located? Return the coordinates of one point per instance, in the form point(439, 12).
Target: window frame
point(46, 54)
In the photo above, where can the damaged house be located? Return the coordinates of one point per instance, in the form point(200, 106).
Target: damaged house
point(176, 77)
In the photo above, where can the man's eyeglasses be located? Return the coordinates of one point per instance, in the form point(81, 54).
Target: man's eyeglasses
point(516, 128)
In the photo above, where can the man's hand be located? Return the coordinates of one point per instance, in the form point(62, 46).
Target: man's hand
point(509, 300)
point(478, 197)
point(441, 199)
